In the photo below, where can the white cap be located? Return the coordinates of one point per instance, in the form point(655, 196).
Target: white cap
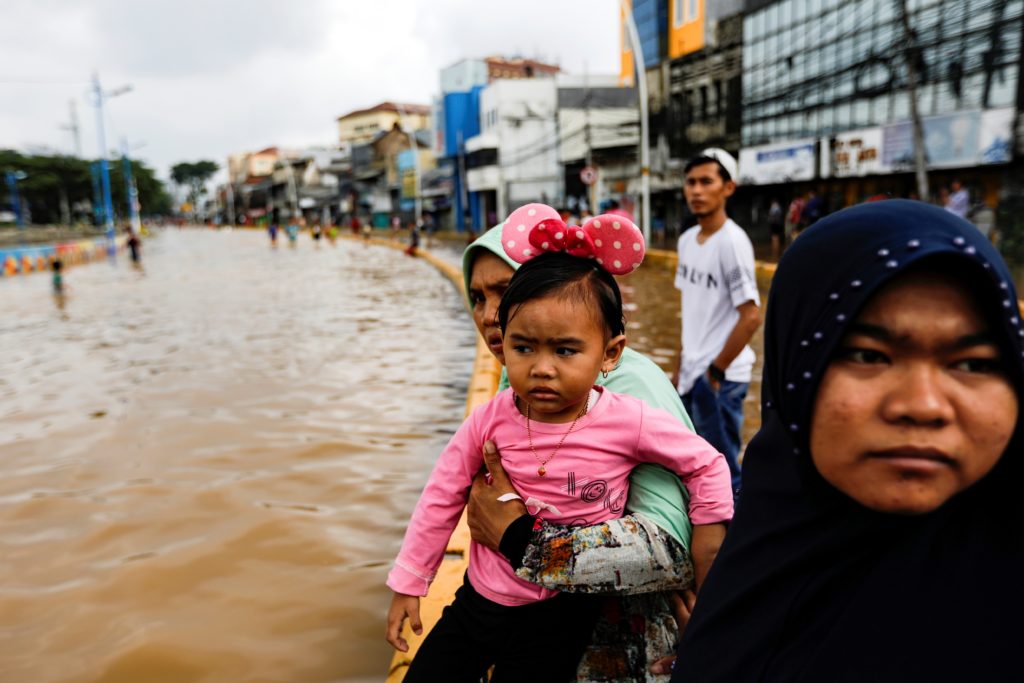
point(727, 161)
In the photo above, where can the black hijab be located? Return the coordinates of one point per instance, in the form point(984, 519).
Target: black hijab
point(810, 585)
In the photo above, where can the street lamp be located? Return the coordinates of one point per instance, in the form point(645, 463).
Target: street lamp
point(12, 187)
point(645, 151)
point(98, 97)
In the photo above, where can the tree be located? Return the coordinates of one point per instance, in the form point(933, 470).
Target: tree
point(194, 175)
point(54, 185)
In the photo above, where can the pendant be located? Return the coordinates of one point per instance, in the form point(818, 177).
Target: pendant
point(541, 471)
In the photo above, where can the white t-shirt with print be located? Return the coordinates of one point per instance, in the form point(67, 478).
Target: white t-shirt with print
point(714, 278)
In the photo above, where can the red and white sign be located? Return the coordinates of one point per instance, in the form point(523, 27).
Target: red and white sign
point(588, 174)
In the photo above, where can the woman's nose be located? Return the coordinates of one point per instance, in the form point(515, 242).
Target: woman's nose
point(918, 397)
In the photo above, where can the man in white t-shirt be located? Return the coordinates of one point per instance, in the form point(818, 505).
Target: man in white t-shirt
point(720, 310)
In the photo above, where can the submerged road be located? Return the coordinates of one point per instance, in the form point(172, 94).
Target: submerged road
point(208, 463)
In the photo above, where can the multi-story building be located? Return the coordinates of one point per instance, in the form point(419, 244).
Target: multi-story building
point(692, 53)
point(514, 159)
point(599, 130)
point(458, 118)
point(362, 125)
point(826, 103)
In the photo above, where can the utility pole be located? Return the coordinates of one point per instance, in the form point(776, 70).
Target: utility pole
point(73, 127)
point(131, 190)
point(231, 202)
point(589, 158)
point(909, 52)
point(645, 144)
point(108, 205)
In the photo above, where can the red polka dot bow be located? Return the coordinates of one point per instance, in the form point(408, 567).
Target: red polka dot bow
point(613, 240)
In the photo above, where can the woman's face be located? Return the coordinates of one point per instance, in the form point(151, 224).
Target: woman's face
point(915, 406)
point(488, 281)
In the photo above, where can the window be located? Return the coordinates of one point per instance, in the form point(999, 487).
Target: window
point(692, 10)
point(677, 13)
point(1001, 93)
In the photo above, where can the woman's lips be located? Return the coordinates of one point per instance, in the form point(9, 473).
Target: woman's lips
point(494, 342)
point(914, 458)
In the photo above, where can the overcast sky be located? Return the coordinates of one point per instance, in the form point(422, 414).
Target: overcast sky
point(213, 77)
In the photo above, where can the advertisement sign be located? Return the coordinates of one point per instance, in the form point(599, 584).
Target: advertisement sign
point(995, 139)
point(779, 163)
point(950, 141)
point(856, 153)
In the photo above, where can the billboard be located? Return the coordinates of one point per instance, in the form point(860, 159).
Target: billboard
point(777, 163)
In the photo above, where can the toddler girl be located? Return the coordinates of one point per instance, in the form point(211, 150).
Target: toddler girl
point(567, 445)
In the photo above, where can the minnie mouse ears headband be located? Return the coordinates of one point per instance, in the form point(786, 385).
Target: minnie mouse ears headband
point(612, 240)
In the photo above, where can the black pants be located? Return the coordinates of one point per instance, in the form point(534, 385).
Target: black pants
point(542, 641)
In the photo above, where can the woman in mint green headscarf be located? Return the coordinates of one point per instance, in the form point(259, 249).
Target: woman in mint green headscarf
point(642, 557)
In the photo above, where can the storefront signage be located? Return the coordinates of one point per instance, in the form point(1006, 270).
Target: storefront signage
point(780, 163)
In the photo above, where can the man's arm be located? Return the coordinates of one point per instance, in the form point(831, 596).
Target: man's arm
point(742, 331)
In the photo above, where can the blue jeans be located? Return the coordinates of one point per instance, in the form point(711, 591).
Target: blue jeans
point(718, 417)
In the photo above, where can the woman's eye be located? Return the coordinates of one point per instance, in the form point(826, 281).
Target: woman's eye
point(980, 365)
point(864, 356)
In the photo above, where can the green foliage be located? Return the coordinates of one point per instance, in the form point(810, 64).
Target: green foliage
point(52, 179)
point(194, 175)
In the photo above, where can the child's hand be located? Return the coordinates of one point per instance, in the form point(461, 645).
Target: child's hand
point(704, 545)
point(403, 606)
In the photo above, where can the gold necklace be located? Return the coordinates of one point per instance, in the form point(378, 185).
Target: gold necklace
point(529, 435)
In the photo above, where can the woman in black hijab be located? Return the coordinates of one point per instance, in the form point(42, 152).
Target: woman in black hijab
point(880, 534)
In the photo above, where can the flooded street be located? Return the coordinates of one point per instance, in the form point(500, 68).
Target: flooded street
point(207, 465)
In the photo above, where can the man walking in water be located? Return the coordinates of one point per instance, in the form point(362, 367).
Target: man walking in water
point(719, 308)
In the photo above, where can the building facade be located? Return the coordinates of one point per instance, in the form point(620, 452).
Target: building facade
point(826, 103)
point(362, 125)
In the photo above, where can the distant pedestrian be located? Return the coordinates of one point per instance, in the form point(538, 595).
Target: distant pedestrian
point(793, 215)
point(272, 231)
point(134, 245)
point(58, 276)
point(959, 200)
point(317, 231)
point(813, 210)
point(293, 232)
point(777, 227)
point(414, 240)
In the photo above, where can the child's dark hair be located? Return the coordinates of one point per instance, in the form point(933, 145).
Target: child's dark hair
point(573, 277)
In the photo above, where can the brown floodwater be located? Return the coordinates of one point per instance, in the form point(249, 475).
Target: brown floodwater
point(207, 465)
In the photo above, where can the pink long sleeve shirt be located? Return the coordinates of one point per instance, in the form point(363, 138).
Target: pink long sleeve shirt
point(587, 482)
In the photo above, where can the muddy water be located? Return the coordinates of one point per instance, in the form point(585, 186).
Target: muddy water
point(207, 465)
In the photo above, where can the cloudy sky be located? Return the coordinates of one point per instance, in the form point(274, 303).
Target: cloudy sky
point(211, 77)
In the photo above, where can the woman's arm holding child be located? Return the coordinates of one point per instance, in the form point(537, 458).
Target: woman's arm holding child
point(629, 555)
